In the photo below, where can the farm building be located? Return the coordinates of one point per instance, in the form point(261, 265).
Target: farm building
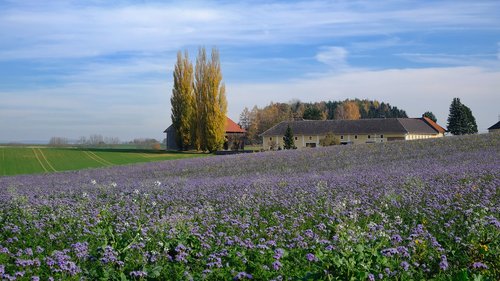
point(234, 136)
point(495, 128)
point(308, 133)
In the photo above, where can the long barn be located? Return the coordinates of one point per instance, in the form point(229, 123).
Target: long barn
point(308, 133)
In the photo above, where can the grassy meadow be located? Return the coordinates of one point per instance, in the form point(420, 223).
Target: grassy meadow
point(16, 160)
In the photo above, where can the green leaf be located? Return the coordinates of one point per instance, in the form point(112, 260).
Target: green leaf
point(478, 277)
point(463, 276)
point(155, 272)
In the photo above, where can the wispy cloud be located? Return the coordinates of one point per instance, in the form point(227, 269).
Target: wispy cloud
point(485, 60)
point(66, 30)
point(333, 56)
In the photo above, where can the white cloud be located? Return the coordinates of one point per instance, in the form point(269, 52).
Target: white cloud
point(484, 60)
point(333, 56)
point(63, 30)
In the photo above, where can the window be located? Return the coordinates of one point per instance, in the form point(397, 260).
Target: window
point(341, 137)
point(310, 138)
point(355, 136)
point(283, 138)
point(368, 136)
point(271, 139)
point(381, 136)
point(296, 138)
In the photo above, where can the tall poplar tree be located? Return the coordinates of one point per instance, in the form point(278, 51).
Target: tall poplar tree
point(182, 100)
point(211, 104)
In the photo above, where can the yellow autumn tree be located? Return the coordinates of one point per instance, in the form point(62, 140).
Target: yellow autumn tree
point(348, 110)
point(182, 100)
point(211, 104)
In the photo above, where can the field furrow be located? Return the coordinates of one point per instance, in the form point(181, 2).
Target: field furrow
point(106, 162)
point(46, 160)
point(40, 161)
point(91, 156)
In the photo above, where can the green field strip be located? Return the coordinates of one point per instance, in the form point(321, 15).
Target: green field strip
point(95, 159)
point(37, 158)
point(64, 159)
point(46, 160)
point(20, 161)
point(119, 158)
point(3, 162)
point(32, 160)
point(101, 159)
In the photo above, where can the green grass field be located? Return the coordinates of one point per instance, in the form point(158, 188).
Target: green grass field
point(39, 159)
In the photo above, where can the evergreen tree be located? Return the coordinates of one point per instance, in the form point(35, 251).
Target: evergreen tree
point(456, 118)
point(460, 120)
point(288, 139)
point(430, 115)
point(471, 126)
point(312, 113)
point(182, 100)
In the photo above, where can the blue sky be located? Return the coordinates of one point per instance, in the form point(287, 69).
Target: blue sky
point(75, 68)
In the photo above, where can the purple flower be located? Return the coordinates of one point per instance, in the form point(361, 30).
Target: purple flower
point(311, 257)
point(278, 253)
point(276, 265)
point(80, 249)
point(181, 257)
point(389, 252)
point(405, 265)
point(396, 238)
point(138, 274)
point(371, 277)
point(243, 275)
point(109, 255)
point(479, 265)
point(444, 263)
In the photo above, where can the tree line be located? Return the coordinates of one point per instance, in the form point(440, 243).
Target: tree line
point(198, 101)
point(258, 120)
point(99, 141)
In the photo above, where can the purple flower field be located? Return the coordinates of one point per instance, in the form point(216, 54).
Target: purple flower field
point(414, 210)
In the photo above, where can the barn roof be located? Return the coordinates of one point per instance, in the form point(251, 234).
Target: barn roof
point(360, 126)
point(495, 127)
point(434, 125)
point(232, 127)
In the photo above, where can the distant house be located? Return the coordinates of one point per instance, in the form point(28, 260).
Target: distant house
point(495, 128)
point(308, 133)
point(234, 138)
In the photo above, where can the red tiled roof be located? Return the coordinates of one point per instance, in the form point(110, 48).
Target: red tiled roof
point(232, 127)
point(434, 125)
